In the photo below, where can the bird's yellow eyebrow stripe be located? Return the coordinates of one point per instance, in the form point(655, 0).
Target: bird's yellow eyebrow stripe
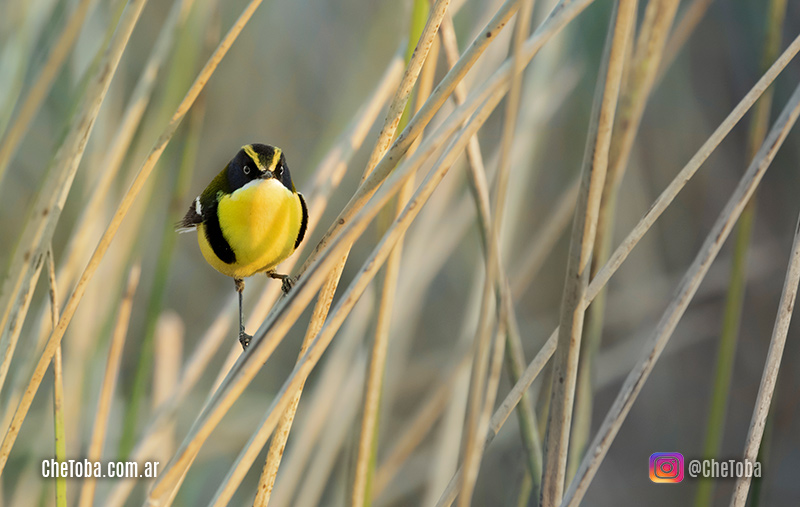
point(257, 159)
point(275, 157)
point(253, 155)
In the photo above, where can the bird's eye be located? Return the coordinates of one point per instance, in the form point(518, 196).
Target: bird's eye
point(246, 169)
point(279, 169)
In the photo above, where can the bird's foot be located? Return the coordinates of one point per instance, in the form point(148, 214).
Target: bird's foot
point(287, 282)
point(244, 339)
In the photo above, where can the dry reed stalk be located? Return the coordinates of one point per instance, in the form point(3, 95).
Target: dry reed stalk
point(366, 457)
point(644, 61)
point(108, 236)
point(769, 376)
point(110, 376)
point(324, 400)
point(49, 202)
point(480, 404)
point(694, 275)
point(15, 328)
point(565, 367)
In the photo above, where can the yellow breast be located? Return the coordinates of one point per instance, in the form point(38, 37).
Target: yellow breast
point(260, 221)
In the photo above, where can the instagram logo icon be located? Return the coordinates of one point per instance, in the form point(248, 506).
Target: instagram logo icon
point(666, 467)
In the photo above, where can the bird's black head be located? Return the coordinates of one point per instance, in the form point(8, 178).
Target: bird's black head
point(258, 161)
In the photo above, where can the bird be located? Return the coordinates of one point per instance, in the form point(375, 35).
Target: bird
point(249, 219)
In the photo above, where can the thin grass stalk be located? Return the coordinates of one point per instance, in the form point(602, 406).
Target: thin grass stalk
point(110, 377)
point(504, 410)
point(688, 287)
point(288, 311)
point(327, 292)
point(324, 401)
point(644, 64)
point(41, 225)
point(772, 365)
point(105, 241)
point(480, 404)
point(345, 304)
point(58, 387)
point(42, 83)
point(565, 366)
point(366, 456)
point(764, 453)
point(734, 299)
point(15, 327)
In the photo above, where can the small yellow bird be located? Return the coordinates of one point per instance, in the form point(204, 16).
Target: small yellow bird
point(249, 219)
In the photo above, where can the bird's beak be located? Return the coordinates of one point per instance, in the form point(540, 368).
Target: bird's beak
point(267, 175)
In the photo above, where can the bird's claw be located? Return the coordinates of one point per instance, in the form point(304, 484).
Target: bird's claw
point(287, 283)
point(244, 339)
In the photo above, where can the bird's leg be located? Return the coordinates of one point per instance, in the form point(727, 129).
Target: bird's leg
point(244, 338)
point(287, 282)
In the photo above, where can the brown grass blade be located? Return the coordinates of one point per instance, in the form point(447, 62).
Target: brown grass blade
point(769, 376)
point(595, 164)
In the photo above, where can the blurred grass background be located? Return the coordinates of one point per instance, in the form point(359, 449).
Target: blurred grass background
point(295, 78)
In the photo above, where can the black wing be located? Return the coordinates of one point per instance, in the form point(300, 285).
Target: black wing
point(192, 219)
